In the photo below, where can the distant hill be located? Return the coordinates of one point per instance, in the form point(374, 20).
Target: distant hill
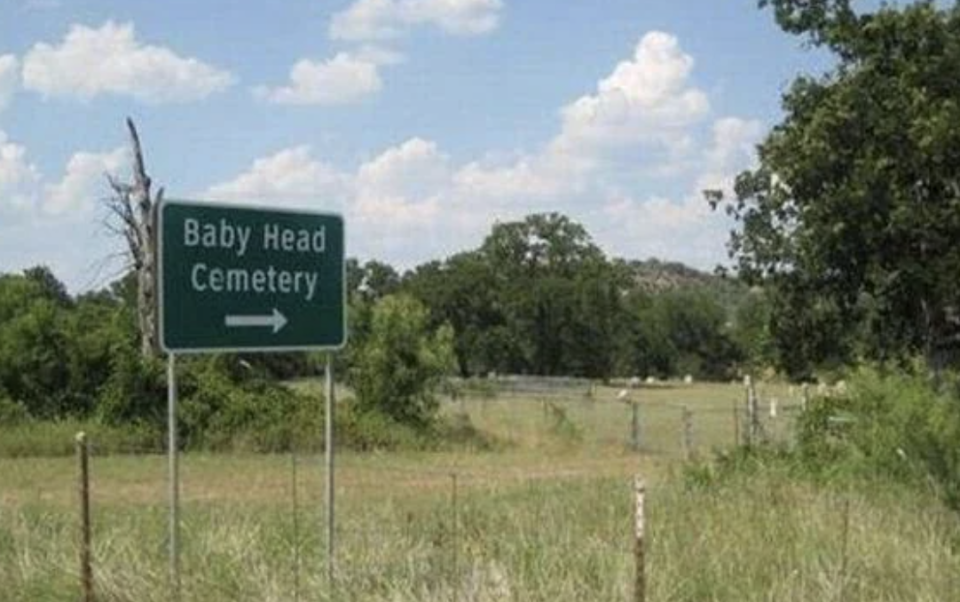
point(655, 276)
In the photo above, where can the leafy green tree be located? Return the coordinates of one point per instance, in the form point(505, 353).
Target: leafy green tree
point(598, 338)
point(697, 329)
point(650, 350)
point(50, 288)
point(366, 283)
point(55, 350)
point(852, 217)
point(463, 292)
point(33, 347)
point(682, 332)
point(379, 280)
point(400, 365)
point(536, 263)
point(751, 330)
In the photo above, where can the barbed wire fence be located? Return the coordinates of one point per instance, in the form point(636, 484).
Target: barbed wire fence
point(439, 513)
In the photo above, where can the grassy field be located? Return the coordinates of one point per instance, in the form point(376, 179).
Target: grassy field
point(546, 515)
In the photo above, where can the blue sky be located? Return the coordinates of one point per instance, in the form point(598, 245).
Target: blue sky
point(422, 121)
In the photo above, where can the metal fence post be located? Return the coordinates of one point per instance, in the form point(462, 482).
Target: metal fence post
point(330, 492)
point(174, 477)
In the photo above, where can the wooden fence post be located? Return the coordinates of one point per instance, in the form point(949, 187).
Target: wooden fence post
point(635, 426)
point(686, 432)
point(455, 543)
point(86, 570)
point(774, 433)
point(736, 423)
point(753, 418)
point(640, 577)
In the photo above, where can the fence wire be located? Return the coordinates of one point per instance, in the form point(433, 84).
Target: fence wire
point(438, 526)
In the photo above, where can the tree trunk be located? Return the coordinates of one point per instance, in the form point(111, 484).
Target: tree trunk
point(137, 213)
point(147, 272)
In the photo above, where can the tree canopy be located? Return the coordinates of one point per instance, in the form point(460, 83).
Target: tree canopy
point(852, 217)
point(536, 297)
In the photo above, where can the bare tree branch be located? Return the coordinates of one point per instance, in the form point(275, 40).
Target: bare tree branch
point(140, 178)
point(132, 215)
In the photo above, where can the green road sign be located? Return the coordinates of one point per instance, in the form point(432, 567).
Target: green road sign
point(235, 278)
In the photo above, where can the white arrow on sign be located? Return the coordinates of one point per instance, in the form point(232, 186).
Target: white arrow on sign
point(276, 320)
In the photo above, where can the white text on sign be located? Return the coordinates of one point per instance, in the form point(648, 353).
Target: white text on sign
point(224, 235)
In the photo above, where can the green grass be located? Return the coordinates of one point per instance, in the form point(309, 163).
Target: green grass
point(48, 439)
point(547, 516)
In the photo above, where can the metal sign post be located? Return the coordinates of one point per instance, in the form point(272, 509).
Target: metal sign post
point(328, 443)
point(172, 454)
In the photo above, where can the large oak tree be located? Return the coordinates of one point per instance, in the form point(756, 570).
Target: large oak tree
point(852, 216)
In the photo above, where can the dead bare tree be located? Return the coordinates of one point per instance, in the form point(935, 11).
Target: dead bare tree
point(133, 215)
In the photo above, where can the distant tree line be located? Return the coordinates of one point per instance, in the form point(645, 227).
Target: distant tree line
point(537, 297)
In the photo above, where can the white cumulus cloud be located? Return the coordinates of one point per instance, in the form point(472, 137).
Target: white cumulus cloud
point(681, 230)
point(19, 178)
point(411, 202)
point(385, 19)
point(291, 175)
point(9, 78)
point(686, 228)
point(415, 168)
point(84, 181)
point(89, 62)
point(343, 79)
point(397, 195)
point(645, 100)
point(733, 145)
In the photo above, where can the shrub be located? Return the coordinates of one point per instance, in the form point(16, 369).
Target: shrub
point(896, 424)
point(218, 412)
point(367, 430)
point(401, 363)
point(12, 413)
point(135, 391)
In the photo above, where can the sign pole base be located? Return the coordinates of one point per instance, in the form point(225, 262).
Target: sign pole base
point(328, 442)
point(174, 476)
